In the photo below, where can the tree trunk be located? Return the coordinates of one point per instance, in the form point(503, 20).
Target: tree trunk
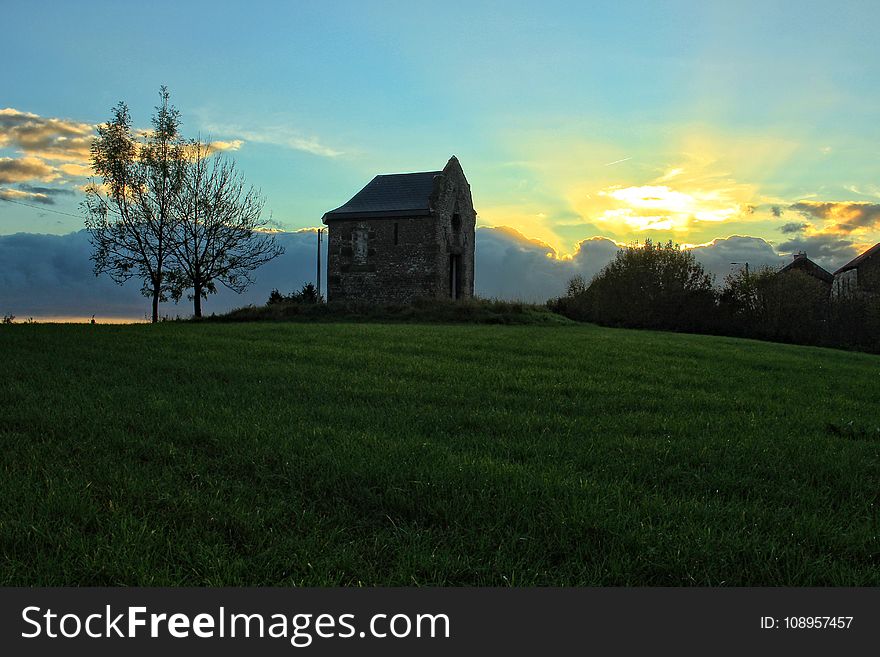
point(155, 304)
point(197, 301)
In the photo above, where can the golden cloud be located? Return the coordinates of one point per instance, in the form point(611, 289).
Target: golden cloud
point(46, 138)
point(19, 195)
point(78, 170)
point(841, 216)
point(25, 168)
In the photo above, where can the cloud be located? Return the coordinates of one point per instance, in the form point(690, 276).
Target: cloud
point(34, 194)
point(829, 250)
point(510, 265)
point(219, 145)
point(51, 275)
point(776, 211)
point(794, 227)
point(76, 170)
point(47, 138)
point(718, 256)
point(49, 191)
point(19, 195)
point(841, 216)
point(278, 136)
point(25, 168)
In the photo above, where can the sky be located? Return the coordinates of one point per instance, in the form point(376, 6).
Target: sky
point(745, 130)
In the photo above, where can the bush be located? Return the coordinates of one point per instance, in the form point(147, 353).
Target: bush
point(786, 307)
point(656, 286)
point(854, 320)
point(307, 294)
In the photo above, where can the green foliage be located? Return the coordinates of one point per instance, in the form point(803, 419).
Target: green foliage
point(854, 320)
point(788, 307)
point(169, 212)
point(129, 214)
point(308, 294)
point(660, 286)
point(649, 286)
point(366, 454)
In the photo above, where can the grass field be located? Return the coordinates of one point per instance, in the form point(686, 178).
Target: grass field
point(279, 453)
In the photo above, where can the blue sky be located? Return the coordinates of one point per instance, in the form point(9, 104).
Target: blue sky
point(693, 121)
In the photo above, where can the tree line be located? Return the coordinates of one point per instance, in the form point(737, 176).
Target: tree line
point(660, 286)
point(172, 212)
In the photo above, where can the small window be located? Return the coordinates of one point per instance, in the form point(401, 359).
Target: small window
point(396, 233)
point(456, 223)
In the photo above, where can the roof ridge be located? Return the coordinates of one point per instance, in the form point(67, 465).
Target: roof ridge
point(852, 264)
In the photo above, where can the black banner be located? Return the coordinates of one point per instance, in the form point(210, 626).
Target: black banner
point(275, 621)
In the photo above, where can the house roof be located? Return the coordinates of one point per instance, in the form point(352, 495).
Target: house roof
point(392, 195)
point(804, 264)
point(858, 260)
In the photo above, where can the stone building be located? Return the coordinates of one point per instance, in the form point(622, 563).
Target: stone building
point(404, 236)
point(859, 275)
point(803, 264)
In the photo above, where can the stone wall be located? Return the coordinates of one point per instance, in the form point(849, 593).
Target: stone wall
point(399, 259)
point(451, 199)
point(365, 264)
point(869, 274)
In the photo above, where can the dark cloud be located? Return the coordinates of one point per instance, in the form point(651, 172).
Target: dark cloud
point(510, 265)
point(718, 257)
point(19, 195)
point(51, 275)
point(776, 211)
point(830, 251)
point(794, 227)
point(849, 216)
point(48, 191)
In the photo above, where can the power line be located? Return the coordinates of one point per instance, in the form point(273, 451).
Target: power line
point(44, 209)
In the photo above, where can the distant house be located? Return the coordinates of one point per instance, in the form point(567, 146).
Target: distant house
point(859, 275)
point(402, 237)
point(803, 264)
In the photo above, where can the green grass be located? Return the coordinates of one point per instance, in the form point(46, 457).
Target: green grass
point(291, 453)
point(424, 311)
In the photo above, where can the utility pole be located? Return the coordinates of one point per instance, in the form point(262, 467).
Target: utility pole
point(320, 234)
point(743, 263)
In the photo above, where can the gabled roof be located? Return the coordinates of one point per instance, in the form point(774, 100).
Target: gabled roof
point(396, 194)
point(855, 262)
point(804, 264)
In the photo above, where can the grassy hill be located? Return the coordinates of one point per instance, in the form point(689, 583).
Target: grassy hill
point(289, 453)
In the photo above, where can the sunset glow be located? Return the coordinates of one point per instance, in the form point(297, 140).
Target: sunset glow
point(687, 121)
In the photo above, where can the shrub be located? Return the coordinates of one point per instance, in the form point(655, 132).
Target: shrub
point(649, 286)
point(307, 294)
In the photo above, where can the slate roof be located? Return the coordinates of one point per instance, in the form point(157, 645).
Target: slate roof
point(392, 195)
point(804, 264)
point(855, 262)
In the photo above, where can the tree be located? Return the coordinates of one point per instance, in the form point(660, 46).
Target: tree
point(220, 233)
point(308, 295)
point(651, 286)
point(129, 214)
point(789, 306)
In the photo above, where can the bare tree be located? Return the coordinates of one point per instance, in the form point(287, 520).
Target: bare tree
point(220, 234)
point(129, 214)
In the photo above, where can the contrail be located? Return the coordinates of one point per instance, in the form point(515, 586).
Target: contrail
point(617, 161)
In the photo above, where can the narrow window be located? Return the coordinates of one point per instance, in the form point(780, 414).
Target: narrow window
point(456, 223)
point(395, 234)
point(455, 276)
